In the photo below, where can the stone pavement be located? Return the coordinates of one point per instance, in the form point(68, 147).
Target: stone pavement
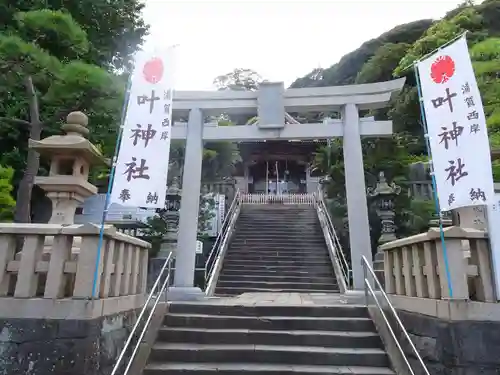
point(291, 299)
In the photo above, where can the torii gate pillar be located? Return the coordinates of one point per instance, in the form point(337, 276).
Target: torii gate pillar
point(271, 102)
point(185, 259)
point(357, 205)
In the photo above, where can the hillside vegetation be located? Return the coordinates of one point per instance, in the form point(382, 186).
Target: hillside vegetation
point(390, 56)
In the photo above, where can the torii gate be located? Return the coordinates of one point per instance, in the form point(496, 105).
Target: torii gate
point(272, 102)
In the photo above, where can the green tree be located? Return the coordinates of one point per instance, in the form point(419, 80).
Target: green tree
point(389, 155)
point(219, 158)
point(238, 79)
point(484, 46)
point(37, 90)
point(381, 65)
point(113, 28)
point(391, 55)
point(158, 226)
point(346, 70)
point(7, 203)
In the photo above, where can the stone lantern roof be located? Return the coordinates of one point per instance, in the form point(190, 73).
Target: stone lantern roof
point(71, 157)
point(74, 142)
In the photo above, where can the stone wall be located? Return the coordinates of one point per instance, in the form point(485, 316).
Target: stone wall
point(453, 347)
point(63, 347)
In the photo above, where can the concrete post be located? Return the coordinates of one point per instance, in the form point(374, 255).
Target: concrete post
point(185, 261)
point(357, 206)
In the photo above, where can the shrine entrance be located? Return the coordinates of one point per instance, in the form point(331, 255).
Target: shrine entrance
point(276, 177)
point(273, 104)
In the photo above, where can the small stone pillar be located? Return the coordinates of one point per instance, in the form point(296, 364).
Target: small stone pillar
point(71, 157)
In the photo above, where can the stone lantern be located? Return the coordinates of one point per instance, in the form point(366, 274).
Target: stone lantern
point(71, 157)
point(384, 194)
point(170, 215)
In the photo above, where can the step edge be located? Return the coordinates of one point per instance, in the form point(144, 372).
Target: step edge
point(232, 366)
point(263, 347)
point(270, 317)
point(353, 334)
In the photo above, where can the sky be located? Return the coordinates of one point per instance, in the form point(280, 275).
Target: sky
point(280, 39)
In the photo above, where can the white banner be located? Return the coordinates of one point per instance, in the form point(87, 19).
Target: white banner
point(142, 163)
point(457, 128)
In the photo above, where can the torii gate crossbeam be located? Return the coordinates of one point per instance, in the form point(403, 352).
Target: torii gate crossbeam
point(270, 103)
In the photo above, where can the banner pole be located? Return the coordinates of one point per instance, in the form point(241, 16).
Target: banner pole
point(110, 185)
point(433, 179)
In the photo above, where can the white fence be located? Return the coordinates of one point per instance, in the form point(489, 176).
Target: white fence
point(307, 199)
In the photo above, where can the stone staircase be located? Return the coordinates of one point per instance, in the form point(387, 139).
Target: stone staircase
point(210, 338)
point(277, 248)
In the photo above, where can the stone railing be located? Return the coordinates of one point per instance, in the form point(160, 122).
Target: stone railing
point(415, 266)
point(278, 199)
point(63, 274)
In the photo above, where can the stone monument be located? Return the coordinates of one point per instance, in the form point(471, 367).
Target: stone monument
point(71, 156)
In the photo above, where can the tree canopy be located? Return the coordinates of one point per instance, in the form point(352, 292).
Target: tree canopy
point(390, 56)
point(112, 29)
point(56, 57)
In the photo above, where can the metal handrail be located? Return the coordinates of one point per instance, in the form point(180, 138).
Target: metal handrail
point(166, 268)
point(209, 265)
point(369, 289)
point(344, 264)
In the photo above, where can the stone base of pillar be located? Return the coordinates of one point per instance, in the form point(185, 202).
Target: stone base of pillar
point(168, 245)
point(154, 267)
point(179, 293)
point(378, 267)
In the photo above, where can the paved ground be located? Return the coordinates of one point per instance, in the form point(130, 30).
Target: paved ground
point(292, 299)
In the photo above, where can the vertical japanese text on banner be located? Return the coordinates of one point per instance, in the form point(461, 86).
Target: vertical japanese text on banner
point(142, 163)
point(456, 128)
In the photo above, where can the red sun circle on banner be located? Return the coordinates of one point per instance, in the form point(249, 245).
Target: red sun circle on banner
point(153, 70)
point(442, 69)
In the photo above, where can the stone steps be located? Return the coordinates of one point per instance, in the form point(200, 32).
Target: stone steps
point(175, 368)
point(308, 283)
point(277, 249)
point(314, 246)
point(291, 262)
point(212, 338)
point(300, 268)
point(286, 236)
point(294, 250)
point(282, 256)
point(324, 271)
point(285, 223)
point(275, 354)
point(270, 277)
point(232, 291)
point(269, 322)
point(230, 309)
point(283, 338)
